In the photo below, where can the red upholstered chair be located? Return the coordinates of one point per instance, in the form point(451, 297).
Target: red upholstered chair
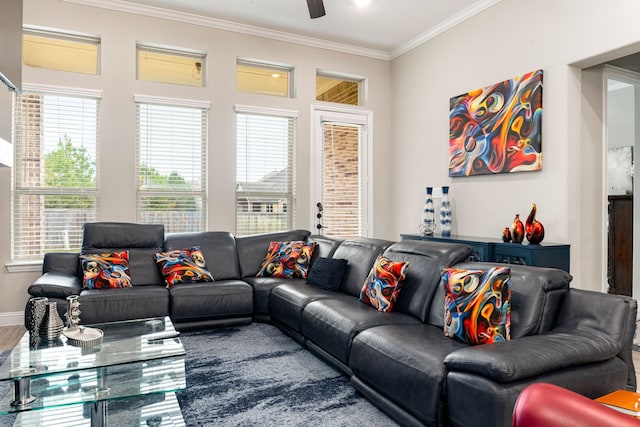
point(546, 405)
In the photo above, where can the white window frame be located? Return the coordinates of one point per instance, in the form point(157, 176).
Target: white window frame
point(19, 259)
point(350, 115)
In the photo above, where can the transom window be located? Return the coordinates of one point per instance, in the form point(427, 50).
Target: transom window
point(172, 163)
point(264, 78)
point(339, 89)
point(171, 65)
point(55, 186)
point(60, 50)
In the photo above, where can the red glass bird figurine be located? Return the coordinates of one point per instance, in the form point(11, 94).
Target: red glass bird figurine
point(534, 230)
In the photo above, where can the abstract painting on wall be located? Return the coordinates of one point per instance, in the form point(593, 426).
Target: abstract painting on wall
point(497, 129)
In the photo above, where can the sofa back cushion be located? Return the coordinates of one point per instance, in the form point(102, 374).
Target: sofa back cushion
point(252, 249)
point(141, 240)
point(325, 246)
point(360, 254)
point(426, 260)
point(218, 247)
point(536, 296)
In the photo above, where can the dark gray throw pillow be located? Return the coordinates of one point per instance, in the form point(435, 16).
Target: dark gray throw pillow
point(327, 273)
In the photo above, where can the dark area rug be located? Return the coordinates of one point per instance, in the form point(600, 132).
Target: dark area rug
point(256, 376)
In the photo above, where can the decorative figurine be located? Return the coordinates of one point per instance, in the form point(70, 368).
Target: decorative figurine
point(534, 230)
point(517, 230)
point(506, 235)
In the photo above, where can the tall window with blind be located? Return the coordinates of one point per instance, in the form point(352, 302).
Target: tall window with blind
point(265, 193)
point(55, 188)
point(172, 163)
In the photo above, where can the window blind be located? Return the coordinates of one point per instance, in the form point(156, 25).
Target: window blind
point(172, 164)
point(55, 188)
point(265, 193)
point(341, 187)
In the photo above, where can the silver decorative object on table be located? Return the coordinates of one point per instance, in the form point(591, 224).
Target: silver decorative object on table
point(89, 339)
point(36, 309)
point(73, 311)
point(52, 325)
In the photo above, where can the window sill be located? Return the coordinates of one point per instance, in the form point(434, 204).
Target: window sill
point(24, 267)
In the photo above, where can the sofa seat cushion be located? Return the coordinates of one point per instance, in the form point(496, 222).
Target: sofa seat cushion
point(333, 323)
point(137, 302)
point(405, 364)
point(262, 287)
point(219, 299)
point(287, 301)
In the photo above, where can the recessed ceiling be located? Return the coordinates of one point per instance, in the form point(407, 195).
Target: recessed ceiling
point(390, 27)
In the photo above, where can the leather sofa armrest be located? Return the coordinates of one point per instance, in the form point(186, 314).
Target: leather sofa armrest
point(533, 355)
point(56, 285)
point(62, 262)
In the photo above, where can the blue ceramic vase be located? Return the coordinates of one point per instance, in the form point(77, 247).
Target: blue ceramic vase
point(445, 213)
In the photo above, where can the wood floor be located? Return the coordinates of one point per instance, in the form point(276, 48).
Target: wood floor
point(10, 335)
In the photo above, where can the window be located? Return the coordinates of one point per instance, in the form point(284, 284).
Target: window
point(172, 163)
point(58, 50)
point(171, 65)
point(335, 88)
point(55, 188)
point(267, 79)
point(264, 170)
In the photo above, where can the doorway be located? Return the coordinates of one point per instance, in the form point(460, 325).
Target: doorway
point(340, 171)
point(622, 123)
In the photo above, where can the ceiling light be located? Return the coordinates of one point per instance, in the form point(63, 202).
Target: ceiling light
point(362, 3)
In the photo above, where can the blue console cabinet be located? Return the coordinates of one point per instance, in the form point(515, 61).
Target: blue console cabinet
point(495, 250)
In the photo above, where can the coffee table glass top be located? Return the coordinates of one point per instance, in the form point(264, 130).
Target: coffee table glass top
point(123, 342)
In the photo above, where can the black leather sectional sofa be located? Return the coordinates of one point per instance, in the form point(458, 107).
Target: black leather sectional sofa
point(400, 360)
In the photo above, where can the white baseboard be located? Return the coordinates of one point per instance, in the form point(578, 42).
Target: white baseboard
point(12, 318)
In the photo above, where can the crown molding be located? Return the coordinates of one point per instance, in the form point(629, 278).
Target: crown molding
point(221, 24)
point(469, 12)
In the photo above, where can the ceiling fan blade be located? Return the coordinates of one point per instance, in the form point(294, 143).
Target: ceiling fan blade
point(316, 8)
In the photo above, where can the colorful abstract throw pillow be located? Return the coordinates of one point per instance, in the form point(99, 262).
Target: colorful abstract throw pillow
point(110, 270)
point(477, 305)
point(288, 260)
point(183, 266)
point(383, 284)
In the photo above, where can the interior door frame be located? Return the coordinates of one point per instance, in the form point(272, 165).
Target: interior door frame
point(349, 115)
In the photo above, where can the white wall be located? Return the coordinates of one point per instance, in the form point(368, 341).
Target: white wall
point(119, 32)
point(511, 38)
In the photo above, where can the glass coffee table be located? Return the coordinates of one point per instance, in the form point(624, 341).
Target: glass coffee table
point(130, 378)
